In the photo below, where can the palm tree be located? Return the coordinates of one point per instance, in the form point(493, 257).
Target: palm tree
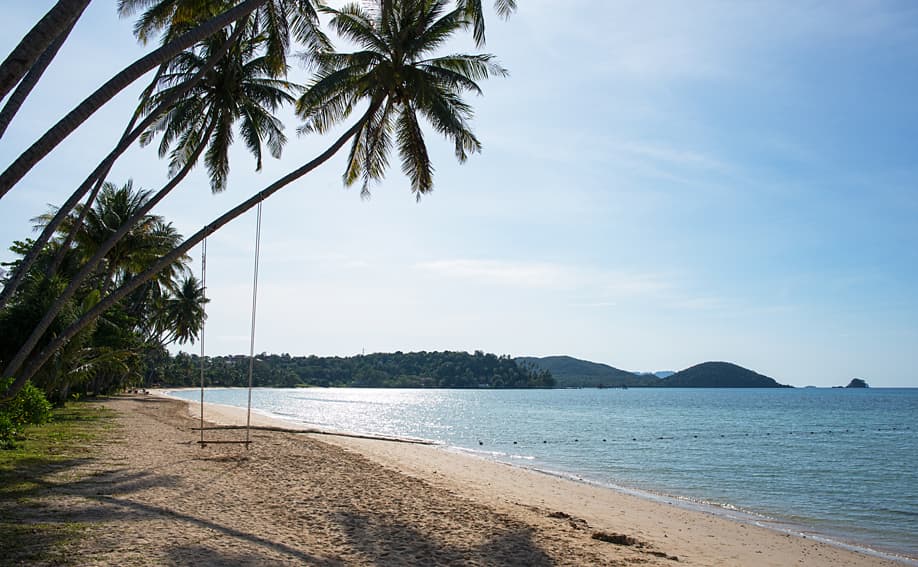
point(279, 17)
point(122, 330)
point(280, 21)
point(97, 177)
point(174, 18)
point(182, 316)
point(239, 87)
point(242, 89)
point(111, 211)
point(394, 72)
point(113, 207)
point(395, 76)
point(66, 125)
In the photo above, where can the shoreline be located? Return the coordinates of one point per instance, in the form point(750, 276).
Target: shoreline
point(416, 460)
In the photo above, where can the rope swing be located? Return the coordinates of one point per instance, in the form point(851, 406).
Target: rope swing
point(248, 417)
point(203, 319)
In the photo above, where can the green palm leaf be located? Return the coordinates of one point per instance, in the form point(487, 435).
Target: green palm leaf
point(393, 66)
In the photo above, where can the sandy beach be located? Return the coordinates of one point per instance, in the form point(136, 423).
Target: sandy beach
point(155, 497)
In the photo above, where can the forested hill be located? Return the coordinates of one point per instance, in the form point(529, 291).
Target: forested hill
point(572, 372)
point(575, 373)
point(720, 375)
point(446, 369)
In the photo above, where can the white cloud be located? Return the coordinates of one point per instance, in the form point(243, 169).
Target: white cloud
point(521, 274)
point(673, 156)
point(601, 287)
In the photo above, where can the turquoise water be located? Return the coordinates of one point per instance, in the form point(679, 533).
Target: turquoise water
point(841, 464)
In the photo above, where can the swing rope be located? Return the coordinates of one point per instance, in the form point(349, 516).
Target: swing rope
point(203, 319)
point(248, 417)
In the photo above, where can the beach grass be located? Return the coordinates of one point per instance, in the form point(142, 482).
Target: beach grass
point(39, 464)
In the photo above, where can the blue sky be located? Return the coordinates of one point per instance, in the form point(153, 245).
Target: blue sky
point(662, 183)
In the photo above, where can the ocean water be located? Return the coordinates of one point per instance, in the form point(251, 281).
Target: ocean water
point(831, 463)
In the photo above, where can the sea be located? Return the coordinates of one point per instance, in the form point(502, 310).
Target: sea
point(839, 465)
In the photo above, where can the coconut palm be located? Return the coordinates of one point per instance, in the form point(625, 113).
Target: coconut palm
point(279, 20)
point(97, 177)
point(66, 125)
point(113, 207)
point(99, 351)
point(120, 233)
point(201, 117)
point(395, 75)
point(145, 240)
point(241, 88)
point(279, 17)
point(182, 314)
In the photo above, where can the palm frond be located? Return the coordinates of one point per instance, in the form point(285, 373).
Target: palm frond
point(216, 157)
point(415, 160)
point(355, 24)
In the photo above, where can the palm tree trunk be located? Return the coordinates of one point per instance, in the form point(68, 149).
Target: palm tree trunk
point(31, 79)
point(36, 362)
point(62, 16)
point(103, 168)
point(116, 84)
point(71, 234)
point(88, 269)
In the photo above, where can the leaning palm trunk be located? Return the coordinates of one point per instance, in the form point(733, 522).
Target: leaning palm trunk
point(59, 18)
point(35, 363)
point(24, 88)
point(116, 84)
point(87, 206)
point(99, 173)
point(89, 268)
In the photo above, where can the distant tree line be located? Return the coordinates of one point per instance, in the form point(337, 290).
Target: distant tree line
point(447, 369)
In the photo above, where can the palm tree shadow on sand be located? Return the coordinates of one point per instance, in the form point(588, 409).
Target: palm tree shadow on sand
point(385, 541)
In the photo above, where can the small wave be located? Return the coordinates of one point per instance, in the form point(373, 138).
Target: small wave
point(479, 452)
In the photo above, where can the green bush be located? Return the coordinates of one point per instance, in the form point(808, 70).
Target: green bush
point(29, 407)
point(7, 431)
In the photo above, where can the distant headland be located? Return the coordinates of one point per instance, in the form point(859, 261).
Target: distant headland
point(570, 372)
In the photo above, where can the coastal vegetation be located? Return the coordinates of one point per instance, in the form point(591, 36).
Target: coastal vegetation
point(79, 308)
point(108, 355)
point(29, 407)
point(448, 369)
